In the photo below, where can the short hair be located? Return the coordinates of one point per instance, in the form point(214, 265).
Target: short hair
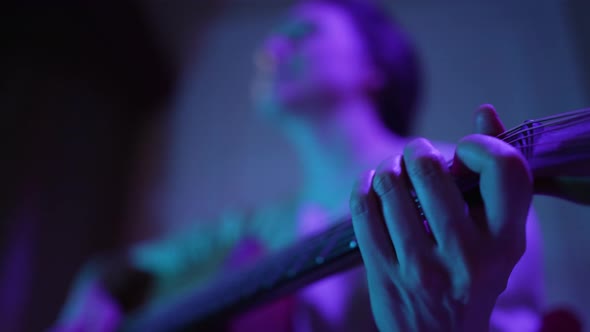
point(393, 53)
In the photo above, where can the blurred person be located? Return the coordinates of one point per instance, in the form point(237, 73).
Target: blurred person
point(342, 81)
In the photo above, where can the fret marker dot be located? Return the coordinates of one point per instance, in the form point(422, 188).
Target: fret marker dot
point(319, 260)
point(352, 244)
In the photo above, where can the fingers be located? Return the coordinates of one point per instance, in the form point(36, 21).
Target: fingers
point(505, 181)
point(386, 219)
point(406, 230)
point(440, 197)
point(369, 227)
point(487, 121)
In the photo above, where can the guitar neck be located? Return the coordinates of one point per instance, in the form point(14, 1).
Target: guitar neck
point(554, 146)
point(324, 254)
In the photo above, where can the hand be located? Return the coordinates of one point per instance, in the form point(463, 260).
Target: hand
point(447, 280)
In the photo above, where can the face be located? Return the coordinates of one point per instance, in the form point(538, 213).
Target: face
point(315, 57)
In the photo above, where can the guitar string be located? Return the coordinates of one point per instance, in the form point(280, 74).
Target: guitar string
point(523, 128)
point(540, 130)
point(551, 128)
point(554, 153)
point(512, 138)
point(526, 126)
point(564, 114)
point(574, 115)
point(544, 121)
point(570, 114)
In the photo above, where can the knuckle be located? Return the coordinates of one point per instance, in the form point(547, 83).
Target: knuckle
point(384, 182)
point(417, 144)
point(426, 166)
point(358, 204)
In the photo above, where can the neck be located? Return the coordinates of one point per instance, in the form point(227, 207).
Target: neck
point(336, 144)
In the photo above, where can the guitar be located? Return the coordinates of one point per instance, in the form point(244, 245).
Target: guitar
point(557, 149)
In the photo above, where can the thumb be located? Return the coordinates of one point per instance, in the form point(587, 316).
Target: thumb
point(487, 121)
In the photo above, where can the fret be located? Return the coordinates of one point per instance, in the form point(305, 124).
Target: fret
point(526, 138)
